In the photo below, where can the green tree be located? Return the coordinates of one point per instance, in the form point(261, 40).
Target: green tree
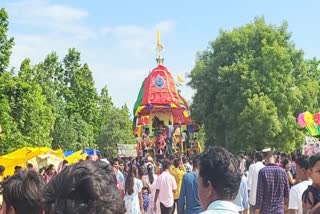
point(6, 43)
point(81, 95)
point(72, 133)
point(114, 123)
point(249, 88)
point(10, 137)
point(26, 120)
point(49, 74)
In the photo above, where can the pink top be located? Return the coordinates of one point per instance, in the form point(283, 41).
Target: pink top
point(166, 183)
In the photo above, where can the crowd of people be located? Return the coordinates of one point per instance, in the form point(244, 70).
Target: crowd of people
point(214, 181)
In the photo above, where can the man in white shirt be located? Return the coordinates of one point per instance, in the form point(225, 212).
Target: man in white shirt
point(295, 195)
point(165, 187)
point(219, 180)
point(253, 179)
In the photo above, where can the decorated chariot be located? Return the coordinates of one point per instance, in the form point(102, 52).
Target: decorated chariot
point(162, 115)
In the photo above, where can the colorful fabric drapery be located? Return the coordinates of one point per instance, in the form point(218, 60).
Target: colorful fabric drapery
point(158, 93)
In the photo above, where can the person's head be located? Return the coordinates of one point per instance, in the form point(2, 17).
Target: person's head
point(51, 170)
point(302, 169)
point(2, 169)
point(65, 163)
point(170, 123)
point(129, 183)
point(219, 176)
point(17, 169)
point(248, 163)
point(142, 162)
point(165, 165)
point(286, 164)
point(294, 157)
point(315, 169)
point(269, 157)
point(150, 169)
point(147, 131)
point(121, 166)
point(29, 166)
point(84, 187)
point(134, 161)
point(176, 162)
point(88, 157)
point(196, 163)
point(22, 193)
point(258, 156)
point(184, 159)
point(116, 163)
point(283, 156)
point(42, 171)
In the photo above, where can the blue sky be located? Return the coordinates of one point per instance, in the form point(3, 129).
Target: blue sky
point(117, 38)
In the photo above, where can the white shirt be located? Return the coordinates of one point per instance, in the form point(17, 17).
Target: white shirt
point(221, 207)
point(166, 183)
point(253, 181)
point(295, 195)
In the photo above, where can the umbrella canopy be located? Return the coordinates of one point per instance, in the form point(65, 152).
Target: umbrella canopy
point(45, 160)
point(21, 156)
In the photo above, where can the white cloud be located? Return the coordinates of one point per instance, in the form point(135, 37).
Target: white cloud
point(119, 56)
point(138, 38)
point(41, 14)
point(37, 12)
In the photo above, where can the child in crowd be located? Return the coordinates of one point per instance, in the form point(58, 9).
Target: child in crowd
point(311, 197)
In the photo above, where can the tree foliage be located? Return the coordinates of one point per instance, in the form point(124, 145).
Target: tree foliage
point(6, 43)
point(250, 84)
point(115, 127)
point(55, 104)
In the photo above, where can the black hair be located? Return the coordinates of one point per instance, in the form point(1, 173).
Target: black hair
point(17, 168)
point(42, 170)
point(165, 164)
point(50, 167)
point(2, 168)
point(258, 156)
point(184, 160)
point(22, 191)
point(141, 172)
point(84, 187)
point(219, 167)
point(294, 157)
point(129, 183)
point(268, 154)
point(29, 165)
point(137, 159)
point(176, 162)
point(285, 162)
point(196, 162)
point(115, 160)
point(150, 173)
point(314, 159)
point(64, 162)
point(303, 161)
point(248, 163)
